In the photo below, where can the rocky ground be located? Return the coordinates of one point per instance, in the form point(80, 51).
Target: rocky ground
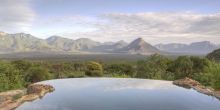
point(11, 99)
point(190, 83)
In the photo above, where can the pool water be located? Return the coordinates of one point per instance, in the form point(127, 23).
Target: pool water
point(120, 94)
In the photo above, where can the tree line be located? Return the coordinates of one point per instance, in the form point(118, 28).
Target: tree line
point(20, 73)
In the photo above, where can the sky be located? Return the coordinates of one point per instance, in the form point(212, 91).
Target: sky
point(156, 21)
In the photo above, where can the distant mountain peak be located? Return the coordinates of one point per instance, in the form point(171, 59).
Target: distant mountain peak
point(139, 46)
point(140, 39)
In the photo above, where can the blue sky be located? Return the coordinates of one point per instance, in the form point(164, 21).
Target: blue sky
point(157, 21)
point(95, 7)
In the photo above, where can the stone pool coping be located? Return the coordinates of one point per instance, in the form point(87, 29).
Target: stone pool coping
point(12, 99)
point(190, 83)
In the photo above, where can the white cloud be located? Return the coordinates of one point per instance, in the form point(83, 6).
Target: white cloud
point(158, 27)
point(154, 27)
point(62, 25)
point(15, 15)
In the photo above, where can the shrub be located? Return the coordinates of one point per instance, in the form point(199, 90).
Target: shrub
point(36, 74)
point(153, 68)
point(215, 79)
point(75, 74)
point(182, 67)
point(21, 64)
point(94, 69)
point(121, 69)
point(10, 77)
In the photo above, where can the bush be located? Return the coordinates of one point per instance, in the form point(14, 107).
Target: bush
point(201, 70)
point(21, 65)
point(75, 74)
point(153, 68)
point(121, 69)
point(182, 67)
point(94, 69)
point(10, 77)
point(16, 74)
point(199, 64)
point(36, 74)
point(215, 76)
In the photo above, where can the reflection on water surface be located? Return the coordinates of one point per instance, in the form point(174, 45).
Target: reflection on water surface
point(120, 94)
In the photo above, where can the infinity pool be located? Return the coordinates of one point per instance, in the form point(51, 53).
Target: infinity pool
point(120, 94)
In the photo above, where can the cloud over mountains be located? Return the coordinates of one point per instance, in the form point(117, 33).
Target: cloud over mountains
point(155, 27)
point(16, 15)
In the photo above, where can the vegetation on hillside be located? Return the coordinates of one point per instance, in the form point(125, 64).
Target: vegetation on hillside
point(215, 55)
point(20, 73)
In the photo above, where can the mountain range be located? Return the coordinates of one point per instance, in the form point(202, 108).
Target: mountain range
point(203, 47)
point(22, 42)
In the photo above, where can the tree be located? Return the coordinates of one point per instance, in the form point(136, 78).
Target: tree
point(21, 65)
point(201, 70)
point(182, 67)
point(215, 75)
point(121, 69)
point(10, 77)
point(59, 70)
point(36, 74)
point(79, 66)
point(199, 64)
point(153, 68)
point(94, 69)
